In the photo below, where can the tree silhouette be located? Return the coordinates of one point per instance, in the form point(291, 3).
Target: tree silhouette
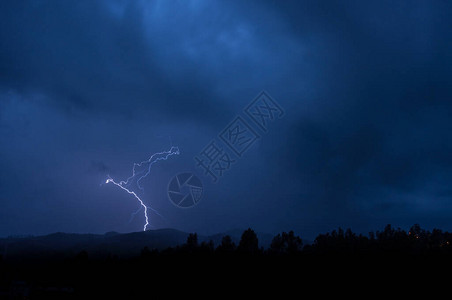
point(417, 233)
point(293, 243)
point(277, 245)
point(286, 243)
point(226, 246)
point(191, 246)
point(147, 253)
point(249, 243)
point(207, 247)
point(82, 256)
point(192, 240)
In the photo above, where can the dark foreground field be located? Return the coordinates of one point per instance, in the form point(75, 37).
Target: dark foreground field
point(337, 258)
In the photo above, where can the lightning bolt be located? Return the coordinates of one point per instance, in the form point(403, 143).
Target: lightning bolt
point(140, 171)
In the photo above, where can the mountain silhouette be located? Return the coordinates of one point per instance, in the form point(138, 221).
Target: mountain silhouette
point(64, 245)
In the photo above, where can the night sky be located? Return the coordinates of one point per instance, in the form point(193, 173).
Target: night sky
point(87, 88)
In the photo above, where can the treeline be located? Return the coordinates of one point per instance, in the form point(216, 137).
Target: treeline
point(86, 277)
point(388, 241)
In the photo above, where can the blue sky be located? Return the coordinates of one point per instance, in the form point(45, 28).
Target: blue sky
point(87, 88)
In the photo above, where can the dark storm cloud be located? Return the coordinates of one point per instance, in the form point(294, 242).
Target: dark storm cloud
point(83, 56)
point(96, 85)
point(99, 166)
point(386, 122)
